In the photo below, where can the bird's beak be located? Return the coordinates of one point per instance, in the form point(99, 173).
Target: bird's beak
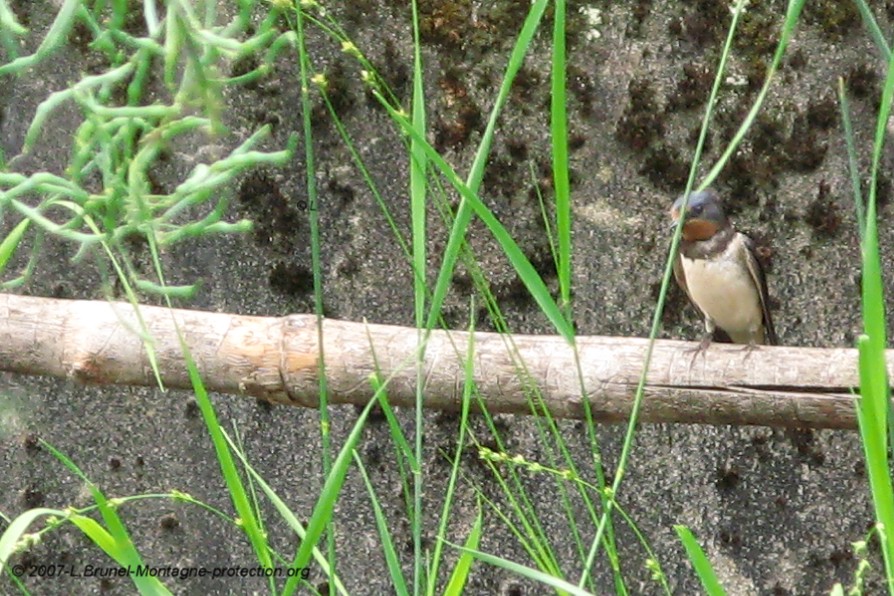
point(675, 217)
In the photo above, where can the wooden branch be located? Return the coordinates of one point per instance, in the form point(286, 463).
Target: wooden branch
point(276, 359)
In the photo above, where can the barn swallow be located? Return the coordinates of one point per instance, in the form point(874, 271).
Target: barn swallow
point(718, 270)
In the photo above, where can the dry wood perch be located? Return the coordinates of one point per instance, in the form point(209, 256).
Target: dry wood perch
point(276, 359)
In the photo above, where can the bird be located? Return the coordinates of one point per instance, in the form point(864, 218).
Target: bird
point(717, 269)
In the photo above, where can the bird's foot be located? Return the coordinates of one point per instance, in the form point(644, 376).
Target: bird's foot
point(701, 348)
point(750, 348)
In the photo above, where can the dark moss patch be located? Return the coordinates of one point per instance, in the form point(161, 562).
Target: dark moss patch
point(32, 497)
point(517, 149)
point(513, 296)
point(462, 282)
point(704, 23)
point(841, 556)
point(349, 267)
point(639, 12)
point(460, 115)
point(80, 37)
point(748, 172)
point(376, 413)
point(504, 16)
point(755, 74)
point(582, 88)
point(665, 168)
point(267, 118)
point(834, 19)
point(804, 441)
point(340, 194)
point(503, 177)
point(277, 223)
point(693, 87)
point(758, 32)
point(291, 279)
point(134, 20)
point(444, 23)
point(642, 122)
point(458, 25)
point(169, 522)
point(798, 59)
point(882, 190)
point(338, 86)
point(526, 88)
point(823, 113)
point(774, 147)
point(191, 409)
point(730, 538)
point(805, 149)
point(767, 134)
point(863, 81)
point(395, 73)
point(544, 263)
point(823, 214)
point(31, 442)
point(727, 478)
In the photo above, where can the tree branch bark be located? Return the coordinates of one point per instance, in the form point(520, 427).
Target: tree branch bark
point(275, 359)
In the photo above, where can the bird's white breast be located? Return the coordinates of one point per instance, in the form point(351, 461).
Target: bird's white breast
point(725, 291)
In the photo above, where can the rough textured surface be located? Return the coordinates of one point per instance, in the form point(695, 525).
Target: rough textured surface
point(776, 510)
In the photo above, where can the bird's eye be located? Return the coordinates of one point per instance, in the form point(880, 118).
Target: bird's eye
point(697, 209)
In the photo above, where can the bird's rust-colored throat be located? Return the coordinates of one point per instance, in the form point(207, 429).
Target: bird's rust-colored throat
point(698, 229)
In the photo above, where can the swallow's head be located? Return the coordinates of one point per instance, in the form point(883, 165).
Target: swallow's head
point(704, 215)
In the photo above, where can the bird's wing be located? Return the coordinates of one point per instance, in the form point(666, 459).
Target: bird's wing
point(680, 276)
point(760, 281)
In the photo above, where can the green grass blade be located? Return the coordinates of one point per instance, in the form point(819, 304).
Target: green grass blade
point(392, 561)
point(16, 530)
point(529, 572)
point(874, 31)
point(700, 562)
point(234, 483)
point(114, 539)
point(526, 272)
point(874, 407)
point(788, 27)
point(405, 457)
point(417, 213)
point(288, 516)
point(418, 175)
point(559, 133)
point(659, 307)
point(316, 258)
point(468, 383)
point(325, 506)
point(476, 173)
point(852, 159)
point(460, 575)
